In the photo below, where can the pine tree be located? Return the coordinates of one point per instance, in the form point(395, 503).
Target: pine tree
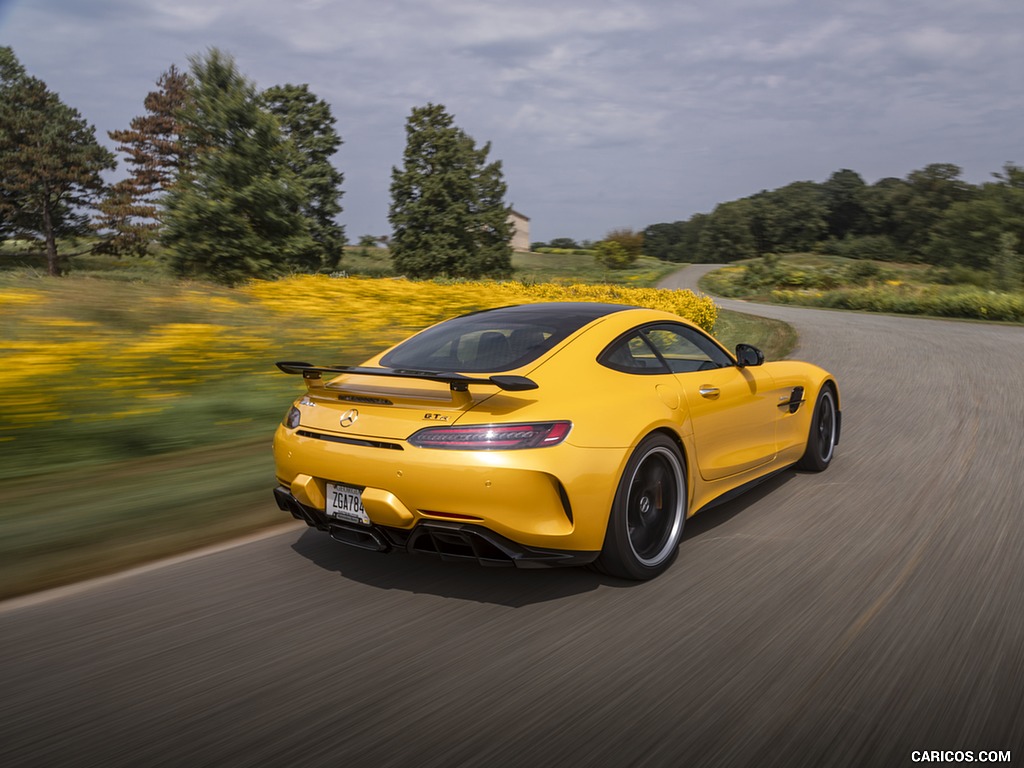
point(308, 123)
point(50, 162)
point(1008, 266)
point(156, 154)
point(493, 229)
point(235, 211)
point(447, 203)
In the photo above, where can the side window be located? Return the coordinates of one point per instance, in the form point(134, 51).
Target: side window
point(632, 354)
point(685, 349)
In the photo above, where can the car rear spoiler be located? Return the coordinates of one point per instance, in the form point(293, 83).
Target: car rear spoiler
point(457, 381)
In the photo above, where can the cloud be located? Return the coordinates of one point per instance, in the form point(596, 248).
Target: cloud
point(184, 17)
point(602, 112)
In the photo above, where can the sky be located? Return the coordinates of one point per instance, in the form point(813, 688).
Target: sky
point(604, 113)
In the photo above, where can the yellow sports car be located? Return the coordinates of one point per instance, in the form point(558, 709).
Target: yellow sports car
point(545, 434)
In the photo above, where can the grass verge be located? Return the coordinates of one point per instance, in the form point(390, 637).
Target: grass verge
point(82, 523)
point(814, 280)
point(773, 337)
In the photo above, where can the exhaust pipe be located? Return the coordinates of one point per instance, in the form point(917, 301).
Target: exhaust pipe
point(363, 538)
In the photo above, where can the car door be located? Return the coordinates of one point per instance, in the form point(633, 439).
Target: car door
point(731, 408)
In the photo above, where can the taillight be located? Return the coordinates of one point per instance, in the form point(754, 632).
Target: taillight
point(491, 437)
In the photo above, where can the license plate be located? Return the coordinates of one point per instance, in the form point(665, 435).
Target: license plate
point(345, 503)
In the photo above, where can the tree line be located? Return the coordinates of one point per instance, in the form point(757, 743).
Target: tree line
point(931, 216)
point(233, 182)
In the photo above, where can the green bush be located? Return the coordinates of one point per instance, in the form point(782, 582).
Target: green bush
point(867, 286)
point(565, 251)
point(959, 302)
point(611, 254)
point(959, 275)
point(877, 247)
point(861, 271)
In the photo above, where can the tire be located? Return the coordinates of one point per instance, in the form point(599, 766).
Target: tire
point(821, 440)
point(647, 516)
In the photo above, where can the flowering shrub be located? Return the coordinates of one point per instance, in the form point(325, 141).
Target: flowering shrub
point(369, 306)
point(151, 368)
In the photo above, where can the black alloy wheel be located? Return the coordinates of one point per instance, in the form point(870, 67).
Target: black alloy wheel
point(647, 517)
point(824, 433)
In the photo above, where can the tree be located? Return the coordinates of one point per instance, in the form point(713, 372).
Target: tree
point(762, 214)
point(447, 203)
point(157, 155)
point(981, 232)
point(492, 256)
point(883, 204)
point(726, 235)
point(844, 198)
point(1008, 263)
point(1009, 191)
point(939, 185)
point(308, 123)
point(791, 219)
point(967, 234)
point(50, 162)
point(931, 215)
point(677, 241)
point(659, 239)
point(235, 212)
point(915, 205)
point(630, 240)
point(688, 247)
point(613, 255)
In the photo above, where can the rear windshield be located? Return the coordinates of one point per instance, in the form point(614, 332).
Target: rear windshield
point(494, 340)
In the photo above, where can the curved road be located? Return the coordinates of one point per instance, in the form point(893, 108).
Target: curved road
point(848, 618)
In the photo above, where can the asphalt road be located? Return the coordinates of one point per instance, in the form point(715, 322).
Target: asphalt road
point(849, 618)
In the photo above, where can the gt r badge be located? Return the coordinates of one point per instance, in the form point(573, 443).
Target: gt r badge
point(348, 418)
point(435, 417)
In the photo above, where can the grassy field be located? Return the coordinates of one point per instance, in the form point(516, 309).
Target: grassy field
point(78, 523)
point(137, 410)
point(874, 286)
point(357, 261)
point(773, 337)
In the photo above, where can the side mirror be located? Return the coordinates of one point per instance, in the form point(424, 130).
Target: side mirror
point(747, 355)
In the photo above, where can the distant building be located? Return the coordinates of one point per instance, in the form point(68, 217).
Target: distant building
point(520, 230)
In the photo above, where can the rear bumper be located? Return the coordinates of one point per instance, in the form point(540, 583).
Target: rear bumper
point(448, 541)
point(551, 499)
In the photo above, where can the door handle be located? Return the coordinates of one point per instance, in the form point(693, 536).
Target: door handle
point(708, 391)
